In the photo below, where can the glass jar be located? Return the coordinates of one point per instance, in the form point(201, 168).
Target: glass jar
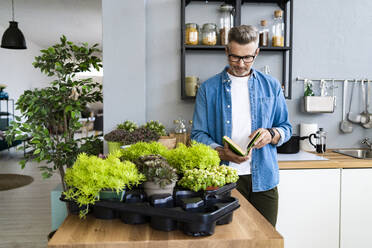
point(192, 34)
point(209, 34)
point(278, 29)
point(226, 22)
point(264, 34)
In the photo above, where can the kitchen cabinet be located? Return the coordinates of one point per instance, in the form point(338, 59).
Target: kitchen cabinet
point(285, 52)
point(308, 214)
point(356, 208)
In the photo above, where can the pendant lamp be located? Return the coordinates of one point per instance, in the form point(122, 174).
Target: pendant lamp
point(13, 37)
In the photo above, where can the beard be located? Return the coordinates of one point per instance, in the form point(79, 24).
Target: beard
point(241, 71)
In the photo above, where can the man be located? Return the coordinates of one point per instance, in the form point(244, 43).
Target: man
point(239, 102)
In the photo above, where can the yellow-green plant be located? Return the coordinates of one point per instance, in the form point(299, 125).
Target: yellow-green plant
point(198, 156)
point(90, 174)
point(139, 149)
point(200, 179)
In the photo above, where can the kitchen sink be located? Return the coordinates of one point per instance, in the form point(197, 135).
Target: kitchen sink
point(356, 153)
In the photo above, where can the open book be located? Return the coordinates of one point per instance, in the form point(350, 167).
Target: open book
point(237, 149)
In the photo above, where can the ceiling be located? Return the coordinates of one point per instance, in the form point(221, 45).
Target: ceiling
point(44, 21)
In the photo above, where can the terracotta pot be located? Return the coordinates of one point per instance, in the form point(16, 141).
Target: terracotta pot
point(169, 142)
point(152, 188)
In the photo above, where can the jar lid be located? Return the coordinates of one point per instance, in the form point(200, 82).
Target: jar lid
point(226, 7)
point(192, 25)
point(263, 23)
point(209, 26)
point(278, 13)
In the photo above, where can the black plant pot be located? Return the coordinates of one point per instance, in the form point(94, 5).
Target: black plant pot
point(225, 220)
point(198, 229)
point(74, 207)
point(103, 213)
point(132, 218)
point(163, 224)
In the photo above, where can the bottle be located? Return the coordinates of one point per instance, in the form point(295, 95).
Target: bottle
point(192, 34)
point(209, 34)
point(226, 22)
point(264, 34)
point(278, 29)
point(180, 131)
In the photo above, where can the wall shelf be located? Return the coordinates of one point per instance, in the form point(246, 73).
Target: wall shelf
point(286, 51)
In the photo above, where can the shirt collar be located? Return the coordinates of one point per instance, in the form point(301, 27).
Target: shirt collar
point(226, 78)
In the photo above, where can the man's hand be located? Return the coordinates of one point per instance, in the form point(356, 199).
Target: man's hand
point(226, 154)
point(264, 139)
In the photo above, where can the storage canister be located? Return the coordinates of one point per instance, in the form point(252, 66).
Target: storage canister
point(192, 34)
point(226, 22)
point(209, 34)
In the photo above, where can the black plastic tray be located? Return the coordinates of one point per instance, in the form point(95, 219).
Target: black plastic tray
point(195, 213)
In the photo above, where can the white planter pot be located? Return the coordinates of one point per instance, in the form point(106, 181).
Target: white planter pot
point(151, 188)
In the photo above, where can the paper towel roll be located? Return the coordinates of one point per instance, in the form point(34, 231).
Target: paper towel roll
point(305, 130)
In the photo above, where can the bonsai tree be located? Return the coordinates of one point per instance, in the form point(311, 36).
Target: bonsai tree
point(50, 116)
point(90, 174)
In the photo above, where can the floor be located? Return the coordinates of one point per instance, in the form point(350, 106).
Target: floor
point(25, 214)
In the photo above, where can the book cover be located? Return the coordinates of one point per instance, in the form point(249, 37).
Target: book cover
point(237, 149)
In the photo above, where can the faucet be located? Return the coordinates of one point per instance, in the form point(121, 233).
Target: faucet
point(366, 142)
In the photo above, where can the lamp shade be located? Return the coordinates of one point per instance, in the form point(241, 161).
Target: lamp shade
point(13, 37)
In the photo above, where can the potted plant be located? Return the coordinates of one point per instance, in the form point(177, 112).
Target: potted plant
point(139, 149)
point(207, 179)
point(90, 176)
point(120, 137)
point(127, 125)
point(198, 156)
point(50, 115)
point(160, 176)
point(115, 139)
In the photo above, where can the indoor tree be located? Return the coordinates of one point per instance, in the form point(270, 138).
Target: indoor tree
point(50, 115)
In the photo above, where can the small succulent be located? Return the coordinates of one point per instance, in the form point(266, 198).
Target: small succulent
point(156, 169)
point(128, 126)
point(157, 127)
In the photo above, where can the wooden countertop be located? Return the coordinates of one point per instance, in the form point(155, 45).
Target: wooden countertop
point(248, 229)
point(336, 160)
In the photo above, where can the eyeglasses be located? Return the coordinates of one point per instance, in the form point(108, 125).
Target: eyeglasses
point(246, 59)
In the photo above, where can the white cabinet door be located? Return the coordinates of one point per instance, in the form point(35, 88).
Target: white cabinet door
point(308, 214)
point(356, 208)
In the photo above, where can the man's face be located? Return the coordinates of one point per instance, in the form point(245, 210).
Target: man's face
point(241, 57)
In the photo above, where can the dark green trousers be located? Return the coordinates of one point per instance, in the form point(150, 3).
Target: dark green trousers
point(266, 202)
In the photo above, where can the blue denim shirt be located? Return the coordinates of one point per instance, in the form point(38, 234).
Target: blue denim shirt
point(213, 119)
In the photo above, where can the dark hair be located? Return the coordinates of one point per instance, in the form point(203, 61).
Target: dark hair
point(243, 34)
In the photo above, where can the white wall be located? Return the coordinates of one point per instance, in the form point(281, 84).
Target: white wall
point(124, 62)
point(17, 71)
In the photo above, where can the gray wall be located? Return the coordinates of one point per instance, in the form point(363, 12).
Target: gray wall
point(142, 63)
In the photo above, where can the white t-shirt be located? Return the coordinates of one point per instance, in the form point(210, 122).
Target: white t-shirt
point(241, 119)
